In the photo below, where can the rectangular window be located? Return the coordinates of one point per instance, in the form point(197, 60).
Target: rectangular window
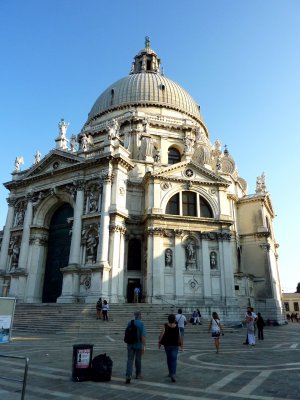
point(287, 306)
point(189, 204)
point(236, 287)
point(296, 306)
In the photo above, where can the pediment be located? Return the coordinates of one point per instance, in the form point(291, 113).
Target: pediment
point(190, 171)
point(53, 161)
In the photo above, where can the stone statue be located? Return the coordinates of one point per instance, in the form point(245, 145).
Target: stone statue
point(91, 247)
point(73, 144)
point(86, 142)
point(145, 125)
point(261, 184)
point(63, 126)
point(168, 257)
point(190, 251)
point(19, 217)
point(93, 207)
point(37, 157)
point(156, 154)
point(18, 162)
point(213, 260)
point(113, 129)
point(188, 144)
point(14, 250)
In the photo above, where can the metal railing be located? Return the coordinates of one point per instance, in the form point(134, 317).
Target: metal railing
point(24, 380)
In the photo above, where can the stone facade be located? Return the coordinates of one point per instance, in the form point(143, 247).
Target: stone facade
point(141, 197)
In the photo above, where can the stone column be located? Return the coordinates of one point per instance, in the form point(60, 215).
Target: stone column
point(227, 272)
point(74, 259)
point(158, 261)
point(6, 235)
point(22, 264)
point(179, 264)
point(116, 260)
point(149, 263)
point(35, 278)
point(102, 254)
point(206, 270)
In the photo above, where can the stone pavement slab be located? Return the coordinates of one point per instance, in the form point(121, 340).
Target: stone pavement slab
point(268, 371)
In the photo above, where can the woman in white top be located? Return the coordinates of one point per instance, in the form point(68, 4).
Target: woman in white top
point(216, 329)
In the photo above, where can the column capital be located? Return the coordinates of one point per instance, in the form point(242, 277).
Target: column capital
point(11, 201)
point(79, 184)
point(107, 178)
point(29, 196)
point(118, 228)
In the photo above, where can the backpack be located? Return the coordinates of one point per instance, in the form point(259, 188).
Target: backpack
point(131, 333)
point(101, 368)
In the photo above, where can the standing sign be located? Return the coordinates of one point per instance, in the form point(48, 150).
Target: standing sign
point(7, 310)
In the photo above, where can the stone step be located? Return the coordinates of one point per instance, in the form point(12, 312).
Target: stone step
point(81, 318)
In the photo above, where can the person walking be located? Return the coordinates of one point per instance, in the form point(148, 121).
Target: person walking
point(260, 323)
point(105, 308)
point(250, 328)
point(198, 316)
point(216, 329)
point(181, 322)
point(136, 293)
point(171, 339)
point(98, 308)
point(251, 310)
point(137, 349)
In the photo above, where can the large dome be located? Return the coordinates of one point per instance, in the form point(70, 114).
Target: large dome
point(145, 86)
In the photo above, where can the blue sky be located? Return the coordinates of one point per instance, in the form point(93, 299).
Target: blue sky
point(240, 60)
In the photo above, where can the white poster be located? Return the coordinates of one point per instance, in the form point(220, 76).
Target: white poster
point(7, 309)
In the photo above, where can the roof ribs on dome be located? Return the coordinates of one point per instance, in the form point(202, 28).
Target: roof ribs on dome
point(145, 86)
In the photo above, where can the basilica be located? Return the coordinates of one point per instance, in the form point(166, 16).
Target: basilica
point(141, 198)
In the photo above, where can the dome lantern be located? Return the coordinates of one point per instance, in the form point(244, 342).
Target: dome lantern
point(146, 60)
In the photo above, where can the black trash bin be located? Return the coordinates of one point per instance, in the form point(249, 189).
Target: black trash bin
point(81, 363)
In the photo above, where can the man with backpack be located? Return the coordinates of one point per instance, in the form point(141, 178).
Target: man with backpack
point(135, 337)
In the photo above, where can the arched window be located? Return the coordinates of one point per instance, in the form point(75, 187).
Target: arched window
point(173, 205)
point(173, 156)
point(190, 204)
point(205, 209)
point(134, 255)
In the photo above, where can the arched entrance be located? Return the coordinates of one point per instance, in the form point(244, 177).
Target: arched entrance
point(58, 253)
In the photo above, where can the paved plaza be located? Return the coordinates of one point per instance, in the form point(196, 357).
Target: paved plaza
point(270, 370)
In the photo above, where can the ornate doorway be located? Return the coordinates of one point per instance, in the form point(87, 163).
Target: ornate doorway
point(58, 253)
point(131, 285)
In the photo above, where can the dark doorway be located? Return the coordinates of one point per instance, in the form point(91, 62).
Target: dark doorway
point(134, 259)
point(58, 253)
point(132, 284)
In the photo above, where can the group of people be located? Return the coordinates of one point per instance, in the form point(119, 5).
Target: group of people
point(253, 321)
point(196, 317)
point(102, 308)
point(293, 317)
point(171, 338)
